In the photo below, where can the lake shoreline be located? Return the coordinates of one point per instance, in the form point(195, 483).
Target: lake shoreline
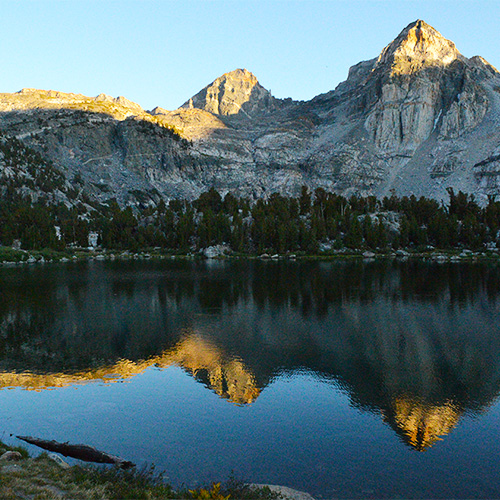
point(9, 256)
point(47, 475)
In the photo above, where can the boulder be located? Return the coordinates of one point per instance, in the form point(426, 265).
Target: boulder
point(215, 251)
point(11, 456)
point(59, 461)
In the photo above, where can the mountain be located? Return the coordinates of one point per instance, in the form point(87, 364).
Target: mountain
point(235, 93)
point(417, 119)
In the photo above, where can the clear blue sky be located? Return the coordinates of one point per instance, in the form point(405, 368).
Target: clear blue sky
point(161, 52)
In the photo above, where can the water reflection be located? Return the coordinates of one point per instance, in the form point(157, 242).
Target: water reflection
point(416, 343)
point(228, 377)
point(419, 423)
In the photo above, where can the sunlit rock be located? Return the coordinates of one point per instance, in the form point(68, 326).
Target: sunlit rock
point(237, 92)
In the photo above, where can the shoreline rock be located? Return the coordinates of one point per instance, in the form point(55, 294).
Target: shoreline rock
point(285, 491)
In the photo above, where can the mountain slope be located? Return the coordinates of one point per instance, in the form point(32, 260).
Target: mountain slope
point(417, 119)
point(407, 117)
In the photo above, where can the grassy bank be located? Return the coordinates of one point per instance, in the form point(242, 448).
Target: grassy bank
point(43, 478)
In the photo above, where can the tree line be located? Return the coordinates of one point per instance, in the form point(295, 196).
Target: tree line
point(313, 222)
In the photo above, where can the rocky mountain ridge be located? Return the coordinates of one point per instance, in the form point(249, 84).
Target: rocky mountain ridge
point(417, 119)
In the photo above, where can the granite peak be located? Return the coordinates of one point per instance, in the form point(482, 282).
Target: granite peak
point(235, 93)
point(418, 45)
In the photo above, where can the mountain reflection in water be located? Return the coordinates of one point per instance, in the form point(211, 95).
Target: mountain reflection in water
point(198, 356)
point(417, 343)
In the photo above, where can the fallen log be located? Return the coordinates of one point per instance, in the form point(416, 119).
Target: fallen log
point(79, 451)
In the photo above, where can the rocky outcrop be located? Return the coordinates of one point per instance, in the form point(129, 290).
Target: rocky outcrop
point(35, 99)
point(192, 123)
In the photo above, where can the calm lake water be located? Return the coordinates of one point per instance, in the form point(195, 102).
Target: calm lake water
point(344, 379)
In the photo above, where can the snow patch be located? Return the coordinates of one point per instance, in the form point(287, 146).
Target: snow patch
point(437, 119)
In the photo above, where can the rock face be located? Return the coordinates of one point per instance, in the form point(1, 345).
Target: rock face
point(424, 80)
point(234, 93)
point(418, 46)
point(417, 119)
point(404, 115)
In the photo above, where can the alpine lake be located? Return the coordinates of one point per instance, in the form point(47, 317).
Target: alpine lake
point(345, 379)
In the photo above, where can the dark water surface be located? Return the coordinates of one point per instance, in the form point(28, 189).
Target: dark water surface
point(344, 379)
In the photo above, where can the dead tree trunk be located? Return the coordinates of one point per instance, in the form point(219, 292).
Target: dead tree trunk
point(79, 451)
